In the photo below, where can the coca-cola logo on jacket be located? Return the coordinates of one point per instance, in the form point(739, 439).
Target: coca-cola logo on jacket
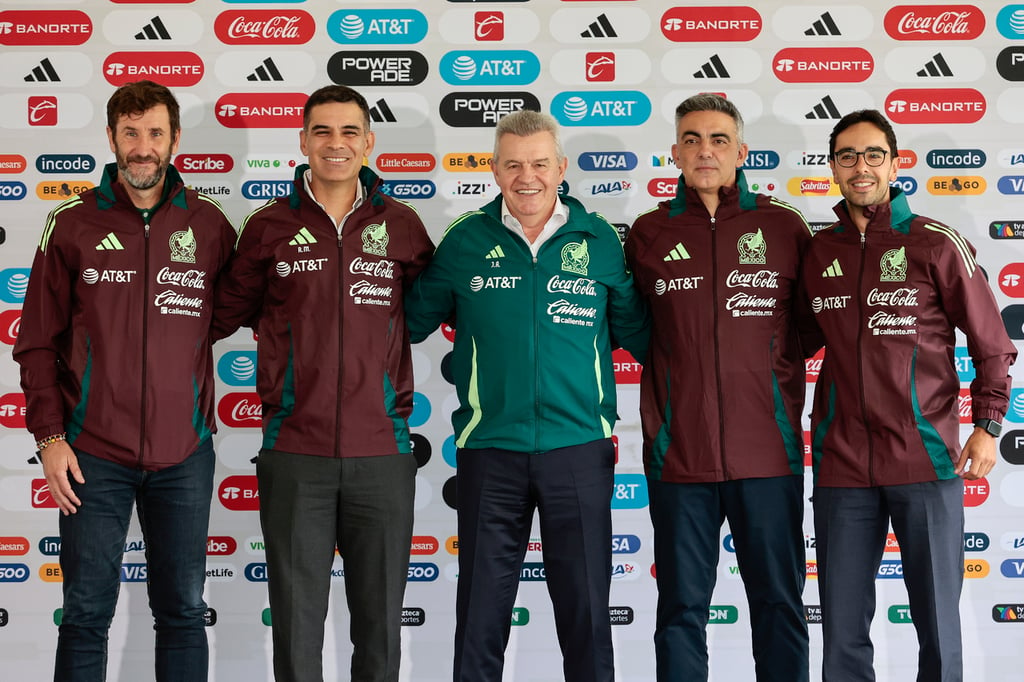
point(241, 410)
point(934, 22)
point(264, 27)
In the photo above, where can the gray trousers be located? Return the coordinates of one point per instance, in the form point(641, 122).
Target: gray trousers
point(362, 505)
point(851, 525)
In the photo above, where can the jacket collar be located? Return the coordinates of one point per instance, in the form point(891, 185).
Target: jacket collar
point(578, 215)
point(111, 191)
point(733, 199)
point(370, 181)
point(894, 214)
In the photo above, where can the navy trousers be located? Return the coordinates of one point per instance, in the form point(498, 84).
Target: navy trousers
point(766, 519)
point(498, 491)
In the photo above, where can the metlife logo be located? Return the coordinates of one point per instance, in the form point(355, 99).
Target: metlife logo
point(377, 26)
point(601, 108)
point(489, 67)
point(377, 67)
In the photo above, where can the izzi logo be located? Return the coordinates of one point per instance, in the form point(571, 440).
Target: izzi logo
point(377, 26)
point(601, 108)
point(489, 67)
point(377, 68)
point(483, 109)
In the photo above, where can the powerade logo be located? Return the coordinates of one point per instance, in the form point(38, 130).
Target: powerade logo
point(65, 163)
point(490, 67)
point(377, 67)
point(256, 572)
point(13, 284)
point(483, 109)
point(13, 573)
point(12, 190)
point(408, 189)
point(761, 160)
point(1010, 22)
point(266, 189)
point(625, 544)
point(607, 161)
point(238, 368)
point(890, 569)
point(378, 27)
point(601, 108)
point(422, 573)
point(629, 491)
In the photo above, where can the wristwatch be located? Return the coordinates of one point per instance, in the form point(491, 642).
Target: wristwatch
point(991, 426)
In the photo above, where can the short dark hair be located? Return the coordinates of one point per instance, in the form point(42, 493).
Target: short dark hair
point(709, 101)
point(872, 116)
point(135, 99)
point(335, 93)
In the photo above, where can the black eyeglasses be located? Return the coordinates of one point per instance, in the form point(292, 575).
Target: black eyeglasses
point(847, 158)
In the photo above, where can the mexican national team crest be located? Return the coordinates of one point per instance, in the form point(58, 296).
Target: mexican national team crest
point(752, 248)
point(576, 257)
point(375, 239)
point(894, 265)
point(183, 246)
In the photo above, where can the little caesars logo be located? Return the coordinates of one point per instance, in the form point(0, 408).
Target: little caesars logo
point(576, 257)
point(183, 246)
point(894, 265)
point(752, 248)
point(375, 239)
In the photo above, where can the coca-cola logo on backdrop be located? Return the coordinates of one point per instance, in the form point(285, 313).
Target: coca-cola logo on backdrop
point(241, 410)
point(934, 22)
point(264, 27)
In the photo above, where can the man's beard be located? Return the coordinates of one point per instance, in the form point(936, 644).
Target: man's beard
point(142, 181)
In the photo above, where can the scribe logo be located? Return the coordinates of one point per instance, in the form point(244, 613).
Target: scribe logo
point(934, 22)
point(264, 27)
point(662, 188)
point(419, 162)
point(600, 67)
point(261, 110)
point(489, 26)
point(935, 106)
point(204, 163)
point(483, 109)
point(239, 493)
point(42, 110)
point(44, 27)
point(377, 68)
point(220, 545)
point(711, 24)
point(173, 69)
point(241, 410)
point(823, 65)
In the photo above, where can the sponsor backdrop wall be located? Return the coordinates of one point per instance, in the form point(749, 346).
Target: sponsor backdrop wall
point(437, 76)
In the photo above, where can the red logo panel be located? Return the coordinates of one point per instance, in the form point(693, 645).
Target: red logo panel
point(13, 546)
point(417, 162)
point(239, 493)
point(173, 69)
point(46, 27)
point(711, 24)
point(976, 492)
point(241, 410)
point(12, 163)
point(42, 111)
point(627, 369)
point(12, 410)
point(935, 105)
point(261, 110)
point(41, 497)
point(600, 67)
point(1011, 280)
point(823, 65)
point(812, 365)
point(204, 163)
point(934, 22)
point(10, 324)
point(489, 26)
point(662, 188)
point(264, 27)
point(220, 545)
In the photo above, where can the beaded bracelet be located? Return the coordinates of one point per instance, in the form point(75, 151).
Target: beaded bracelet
point(50, 440)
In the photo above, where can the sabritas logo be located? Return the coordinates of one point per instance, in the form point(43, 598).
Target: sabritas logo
point(41, 497)
point(627, 369)
point(12, 410)
point(823, 65)
point(419, 162)
point(241, 410)
point(489, 26)
point(1011, 280)
point(933, 105)
point(711, 24)
point(261, 110)
point(812, 187)
point(173, 69)
point(239, 493)
point(934, 22)
point(10, 324)
point(12, 163)
point(13, 546)
point(47, 27)
point(264, 27)
point(204, 163)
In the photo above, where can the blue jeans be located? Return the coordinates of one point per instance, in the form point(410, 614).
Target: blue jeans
point(174, 513)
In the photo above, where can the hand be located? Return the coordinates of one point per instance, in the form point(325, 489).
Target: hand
point(980, 449)
point(58, 461)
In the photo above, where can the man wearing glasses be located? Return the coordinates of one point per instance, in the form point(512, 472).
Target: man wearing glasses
point(888, 289)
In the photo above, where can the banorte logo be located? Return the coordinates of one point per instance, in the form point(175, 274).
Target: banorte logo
point(264, 27)
point(45, 27)
point(10, 324)
point(935, 106)
point(239, 493)
point(261, 110)
point(12, 410)
point(934, 22)
point(173, 69)
point(976, 492)
point(241, 410)
point(823, 65)
point(711, 24)
point(627, 369)
point(1011, 281)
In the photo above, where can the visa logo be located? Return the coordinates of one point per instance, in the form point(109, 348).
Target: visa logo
point(607, 161)
point(1012, 568)
point(625, 544)
point(133, 573)
point(1011, 184)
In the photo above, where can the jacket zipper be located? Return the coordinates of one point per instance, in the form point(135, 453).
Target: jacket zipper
point(341, 325)
point(860, 357)
point(145, 340)
point(718, 354)
point(536, 354)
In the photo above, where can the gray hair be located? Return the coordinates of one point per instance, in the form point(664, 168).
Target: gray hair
point(526, 122)
point(707, 101)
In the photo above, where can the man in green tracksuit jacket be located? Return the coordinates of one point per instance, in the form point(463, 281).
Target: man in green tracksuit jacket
point(539, 292)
